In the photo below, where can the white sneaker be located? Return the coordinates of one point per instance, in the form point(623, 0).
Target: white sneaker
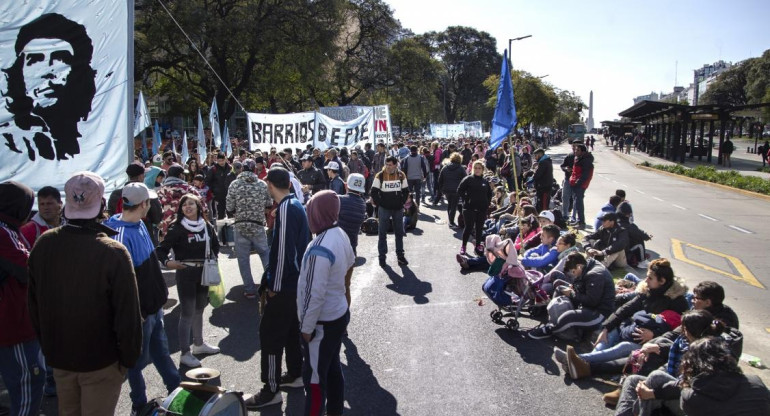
point(204, 349)
point(643, 264)
point(188, 360)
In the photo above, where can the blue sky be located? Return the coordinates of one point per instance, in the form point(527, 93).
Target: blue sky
point(617, 49)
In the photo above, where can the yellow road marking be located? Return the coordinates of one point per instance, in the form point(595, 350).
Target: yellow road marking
point(744, 275)
point(767, 329)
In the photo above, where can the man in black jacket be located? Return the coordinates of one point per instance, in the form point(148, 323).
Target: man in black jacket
point(216, 179)
point(310, 177)
point(543, 179)
point(608, 244)
point(592, 296)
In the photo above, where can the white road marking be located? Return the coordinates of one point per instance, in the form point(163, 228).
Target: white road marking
point(707, 217)
point(657, 199)
point(450, 303)
point(677, 206)
point(740, 229)
point(641, 192)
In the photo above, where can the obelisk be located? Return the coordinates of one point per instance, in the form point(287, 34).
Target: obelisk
point(590, 121)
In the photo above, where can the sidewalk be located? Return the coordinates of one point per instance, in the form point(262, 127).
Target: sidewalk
point(743, 162)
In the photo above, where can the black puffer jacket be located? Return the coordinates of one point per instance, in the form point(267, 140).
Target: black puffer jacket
point(450, 177)
point(475, 192)
point(726, 394)
point(594, 289)
point(668, 297)
point(543, 178)
point(611, 240)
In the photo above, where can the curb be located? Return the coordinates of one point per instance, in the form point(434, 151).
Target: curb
point(698, 181)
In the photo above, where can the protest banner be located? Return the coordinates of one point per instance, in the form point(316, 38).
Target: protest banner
point(297, 130)
point(383, 128)
point(67, 87)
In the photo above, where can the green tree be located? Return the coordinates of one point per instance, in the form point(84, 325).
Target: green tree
point(758, 79)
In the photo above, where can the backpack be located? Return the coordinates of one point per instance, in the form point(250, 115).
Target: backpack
point(370, 226)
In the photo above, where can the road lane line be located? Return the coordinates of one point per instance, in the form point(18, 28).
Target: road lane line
point(708, 218)
point(641, 192)
point(449, 303)
point(743, 230)
point(744, 274)
point(677, 206)
point(657, 199)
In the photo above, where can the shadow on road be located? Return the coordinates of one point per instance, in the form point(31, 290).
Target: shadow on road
point(241, 321)
point(530, 351)
point(363, 392)
point(408, 284)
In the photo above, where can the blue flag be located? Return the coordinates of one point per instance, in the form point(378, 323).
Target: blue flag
point(155, 138)
point(505, 111)
point(226, 141)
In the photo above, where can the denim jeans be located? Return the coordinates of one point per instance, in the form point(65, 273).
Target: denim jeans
point(384, 216)
point(578, 193)
point(155, 350)
point(613, 349)
point(244, 244)
point(566, 199)
point(415, 186)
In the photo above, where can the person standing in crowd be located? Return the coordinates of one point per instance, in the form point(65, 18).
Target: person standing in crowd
point(580, 178)
point(168, 160)
point(352, 215)
point(476, 195)
point(20, 367)
point(154, 216)
point(188, 236)
point(216, 179)
point(335, 182)
point(448, 182)
point(415, 167)
point(84, 303)
point(543, 180)
point(247, 201)
point(279, 326)
point(324, 314)
point(153, 292)
point(310, 177)
point(727, 151)
point(48, 215)
point(389, 193)
point(173, 189)
point(378, 163)
point(356, 163)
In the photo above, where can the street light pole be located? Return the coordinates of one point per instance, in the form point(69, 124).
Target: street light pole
point(510, 41)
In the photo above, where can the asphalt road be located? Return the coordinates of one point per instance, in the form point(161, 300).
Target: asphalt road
point(420, 343)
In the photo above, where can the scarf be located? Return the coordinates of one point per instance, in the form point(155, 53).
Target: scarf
point(194, 226)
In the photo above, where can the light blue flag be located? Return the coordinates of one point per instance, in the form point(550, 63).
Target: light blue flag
point(504, 119)
point(226, 141)
point(214, 121)
point(141, 115)
point(201, 139)
point(185, 152)
point(155, 138)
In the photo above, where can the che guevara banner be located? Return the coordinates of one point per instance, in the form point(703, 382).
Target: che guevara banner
point(66, 87)
point(297, 130)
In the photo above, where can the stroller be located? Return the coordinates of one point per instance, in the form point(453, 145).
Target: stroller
point(513, 290)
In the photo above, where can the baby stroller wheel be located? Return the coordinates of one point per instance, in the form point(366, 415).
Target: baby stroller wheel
point(512, 324)
point(496, 316)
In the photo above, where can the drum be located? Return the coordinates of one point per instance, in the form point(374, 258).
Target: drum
point(187, 401)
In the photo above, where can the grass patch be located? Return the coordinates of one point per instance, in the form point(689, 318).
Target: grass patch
point(729, 178)
point(765, 169)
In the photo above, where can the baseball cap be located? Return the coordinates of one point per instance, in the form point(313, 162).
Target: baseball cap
point(83, 196)
point(306, 157)
point(175, 170)
point(548, 215)
point(134, 170)
point(135, 193)
point(249, 165)
point(332, 166)
point(356, 182)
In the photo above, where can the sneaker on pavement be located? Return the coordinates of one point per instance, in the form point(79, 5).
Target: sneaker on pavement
point(188, 360)
point(479, 249)
point(264, 398)
point(578, 367)
point(288, 380)
point(541, 332)
point(612, 397)
point(402, 261)
point(462, 260)
point(561, 357)
point(643, 264)
point(205, 349)
point(462, 250)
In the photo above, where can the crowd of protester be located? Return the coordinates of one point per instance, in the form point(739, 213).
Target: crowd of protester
point(301, 212)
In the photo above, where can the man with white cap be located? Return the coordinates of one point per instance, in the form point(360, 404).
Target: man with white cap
point(352, 215)
point(84, 304)
point(153, 293)
point(335, 182)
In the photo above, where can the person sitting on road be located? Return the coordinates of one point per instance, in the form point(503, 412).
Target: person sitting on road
point(529, 234)
point(610, 206)
point(556, 277)
point(411, 212)
point(544, 256)
point(592, 295)
point(636, 256)
point(509, 224)
point(608, 244)
point(496, 252)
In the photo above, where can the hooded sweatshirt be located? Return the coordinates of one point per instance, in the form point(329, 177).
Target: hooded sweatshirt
point(726, 394)
point(153, 292)
point(15, 205)
point(248, 198)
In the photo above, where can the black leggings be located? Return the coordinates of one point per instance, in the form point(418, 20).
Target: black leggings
point(452, 200)
point(474, 218)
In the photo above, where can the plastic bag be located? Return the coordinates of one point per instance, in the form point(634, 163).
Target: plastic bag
point(217, 294)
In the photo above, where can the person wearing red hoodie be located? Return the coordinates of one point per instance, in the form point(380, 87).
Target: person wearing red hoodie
point(582, 172)
point(20, 366)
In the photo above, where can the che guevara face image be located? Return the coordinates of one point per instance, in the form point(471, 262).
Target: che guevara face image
point(50, 87)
